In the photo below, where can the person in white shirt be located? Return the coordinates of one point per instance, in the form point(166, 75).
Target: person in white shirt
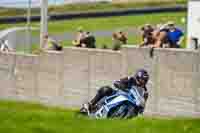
point(4, 46)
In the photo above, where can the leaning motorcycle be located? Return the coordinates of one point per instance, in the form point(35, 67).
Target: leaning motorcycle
point(122, 104)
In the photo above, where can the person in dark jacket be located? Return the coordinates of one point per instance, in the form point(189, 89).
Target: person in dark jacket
point(51, 44)
point(89, 41)
point(147, 35)
point(140, 79)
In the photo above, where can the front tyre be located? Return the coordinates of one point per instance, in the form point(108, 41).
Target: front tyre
point(123, 111)
point(118, 112)
point(131, 112)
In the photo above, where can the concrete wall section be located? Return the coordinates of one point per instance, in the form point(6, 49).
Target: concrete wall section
point(7, 80)
point(26, 71)
point(196, 85)
point(105, 67)
point(177, 82)
point(85, 70)
point(50, 77)
point(76, 76)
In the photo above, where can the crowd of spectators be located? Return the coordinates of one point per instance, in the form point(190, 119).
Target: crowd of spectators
point(87, 40)
point(161, 36)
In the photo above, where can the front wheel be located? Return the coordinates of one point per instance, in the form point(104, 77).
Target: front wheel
point(132, 112)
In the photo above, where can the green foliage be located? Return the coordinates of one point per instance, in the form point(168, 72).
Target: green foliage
point(104, 46)
point(20, 117)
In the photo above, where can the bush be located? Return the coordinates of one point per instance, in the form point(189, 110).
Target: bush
point(104, 46)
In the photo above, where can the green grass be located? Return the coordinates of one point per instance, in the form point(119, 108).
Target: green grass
point(90, 7)
point(108, 23)
point(19, 117)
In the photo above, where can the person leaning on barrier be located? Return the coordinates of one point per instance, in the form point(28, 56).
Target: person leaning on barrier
point(161, 36)
point(122, 37)
point(119, 38)
point(80, 36)
point(51, 44)
point(147, 35)
point(89, 41)
point(175, 35)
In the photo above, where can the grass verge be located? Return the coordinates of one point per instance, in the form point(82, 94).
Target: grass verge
point(108, 23)
point(20, 117)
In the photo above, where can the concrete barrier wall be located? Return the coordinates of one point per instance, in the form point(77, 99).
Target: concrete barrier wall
point(86, 70)
point(178, 82)
point(76, 77)
point(7, 80)
point(72, 77)
point(25, 76)
point(175, 75)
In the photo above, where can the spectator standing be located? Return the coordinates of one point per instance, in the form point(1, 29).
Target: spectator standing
point(119, 38)
point(89, 41)
point(147, 35)
point(122, 37)
point(175, 35)
point(161, 36)
point(51, 44)
point(80, 36)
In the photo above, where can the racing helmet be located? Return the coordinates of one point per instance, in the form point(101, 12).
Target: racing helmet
point(142, 77)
